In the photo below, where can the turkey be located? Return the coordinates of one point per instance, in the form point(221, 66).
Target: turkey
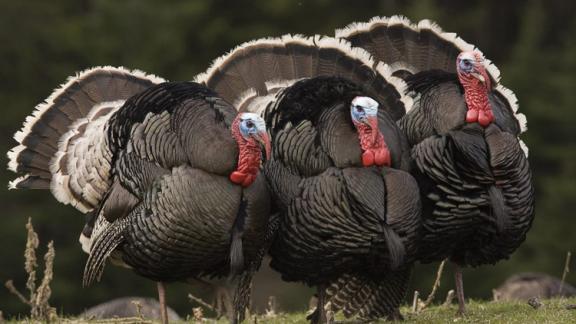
point(167, 172)
point(349, 210)
point(472, 169)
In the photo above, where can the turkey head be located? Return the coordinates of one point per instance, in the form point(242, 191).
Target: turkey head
point(249, 131)
point(364, 112)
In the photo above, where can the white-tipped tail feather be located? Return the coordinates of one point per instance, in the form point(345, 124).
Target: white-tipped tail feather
point(251, 74)
point(63, 143)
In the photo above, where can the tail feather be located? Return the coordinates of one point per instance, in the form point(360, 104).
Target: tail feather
point(396, 249)
point(101, 248)
point(253, 67)
point(497, 203)
point(370, 298)
point(68, 128)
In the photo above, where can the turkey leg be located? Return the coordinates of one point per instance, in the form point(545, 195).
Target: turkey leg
point(459, 290)
point(319, 314)
point(162, 300)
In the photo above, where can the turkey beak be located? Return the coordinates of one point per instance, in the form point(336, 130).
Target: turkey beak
point(478, 76)
point(264, 140)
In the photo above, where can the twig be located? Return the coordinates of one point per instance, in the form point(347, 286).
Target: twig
point(449, 298)
point(10, 286)
point(272, 307)
point(415, 302)
point(204, 304)
point(138, 306)
point(566, 270)
point(198, 314)
point(436, 285)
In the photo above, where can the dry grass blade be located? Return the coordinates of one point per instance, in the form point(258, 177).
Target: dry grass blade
point(198, 314)
point(41, 308)
point(565, 272)
point(415, 301)
point(435, 286)
point(449, 298)
point(30, 263)
point(10, 286)
point(203, 304)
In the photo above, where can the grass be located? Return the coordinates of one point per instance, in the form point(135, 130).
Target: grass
point(552, 311)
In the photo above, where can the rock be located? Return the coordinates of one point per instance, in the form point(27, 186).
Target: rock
point(126, 307)
point(524, 286)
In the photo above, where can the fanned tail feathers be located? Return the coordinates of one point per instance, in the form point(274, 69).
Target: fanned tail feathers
point(259, 69)
point(62, 144)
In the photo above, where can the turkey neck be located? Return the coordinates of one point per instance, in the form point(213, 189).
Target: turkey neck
point(476, 96)
point(249, 158)
point(370, 138)
point(374, 148)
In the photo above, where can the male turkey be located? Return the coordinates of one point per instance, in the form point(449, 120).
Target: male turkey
point(167, 172)
point(477, 192)
point(348, 209)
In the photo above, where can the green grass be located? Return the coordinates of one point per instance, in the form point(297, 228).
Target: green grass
point(552, 311)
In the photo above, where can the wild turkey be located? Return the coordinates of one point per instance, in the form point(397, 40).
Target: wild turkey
point(167, 172)
point(477, 192)
point(338, 166)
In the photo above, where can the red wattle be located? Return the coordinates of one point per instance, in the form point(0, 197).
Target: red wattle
point(368, 158)
point(485, 118)
point(472, 116)
point(237, 177)
point(382, 157)
point(248, 180)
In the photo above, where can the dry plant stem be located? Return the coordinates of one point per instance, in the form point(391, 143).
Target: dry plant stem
point(41, 307)
point(203, 304)
point(138, 306)
point(565, 272)
point(435, 286)
point(415, 301)
point(10, 286)
point(449, 298)
point(162, 300)
point(30, 263)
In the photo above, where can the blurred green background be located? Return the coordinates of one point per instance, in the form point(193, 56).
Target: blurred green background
point(43, 42)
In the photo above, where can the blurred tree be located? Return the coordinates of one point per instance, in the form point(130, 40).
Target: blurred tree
point(43, 42)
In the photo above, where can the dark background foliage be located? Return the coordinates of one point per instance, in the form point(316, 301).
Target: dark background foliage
point(43, 42)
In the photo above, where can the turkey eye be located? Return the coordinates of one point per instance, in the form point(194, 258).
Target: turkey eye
point(359, 109)
point(465, 64)
point(249, 124)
